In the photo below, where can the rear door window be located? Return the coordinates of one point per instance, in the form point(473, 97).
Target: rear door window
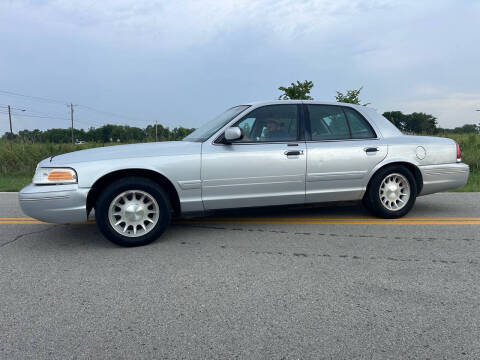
point(358, 125)
point(328, 122)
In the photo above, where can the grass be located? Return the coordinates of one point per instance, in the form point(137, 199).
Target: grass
point(14, 182)
point(470, 145)
point(19, 159)
point(473, 184)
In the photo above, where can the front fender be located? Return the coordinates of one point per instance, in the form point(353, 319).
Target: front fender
point(183, 171)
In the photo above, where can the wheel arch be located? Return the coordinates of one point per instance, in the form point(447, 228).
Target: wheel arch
point(102, 182)
point(417, 174)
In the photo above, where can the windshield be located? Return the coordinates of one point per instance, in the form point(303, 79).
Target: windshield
point(211, 127)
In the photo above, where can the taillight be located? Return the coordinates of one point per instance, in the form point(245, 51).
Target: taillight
point(459, 153)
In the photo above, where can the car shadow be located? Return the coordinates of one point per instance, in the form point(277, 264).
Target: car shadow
point(337, 209)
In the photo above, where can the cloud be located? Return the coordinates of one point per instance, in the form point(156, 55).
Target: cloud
point(146, 57)
point(183, 23)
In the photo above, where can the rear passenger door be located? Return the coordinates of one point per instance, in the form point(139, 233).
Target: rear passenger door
point(342, 148)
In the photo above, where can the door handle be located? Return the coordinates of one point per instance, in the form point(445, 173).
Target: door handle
point(293, 152)
point(371, 150)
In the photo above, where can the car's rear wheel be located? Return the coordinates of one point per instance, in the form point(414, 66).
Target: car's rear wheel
point(132, 211)
point(391, 192)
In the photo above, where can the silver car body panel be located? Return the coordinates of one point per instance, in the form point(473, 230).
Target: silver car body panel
point(56, 204)
point(162, 157)
point(338, 170)
point(443, 177)
point(246, 175)
point(212, 176)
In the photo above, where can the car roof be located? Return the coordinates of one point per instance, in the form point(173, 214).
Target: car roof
point(386, 128)
point(316, 102)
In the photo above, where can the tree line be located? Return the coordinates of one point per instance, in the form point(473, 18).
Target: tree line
point(416, 123)
point(103, 134)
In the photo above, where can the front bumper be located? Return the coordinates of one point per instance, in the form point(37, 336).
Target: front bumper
point(54, 203)
point(443, 177)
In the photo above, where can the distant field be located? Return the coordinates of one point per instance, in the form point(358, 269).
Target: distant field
point(19, 159)
point(470, 145)
point(14, 182)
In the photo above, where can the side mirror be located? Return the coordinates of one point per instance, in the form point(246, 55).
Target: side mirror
point(233, 133)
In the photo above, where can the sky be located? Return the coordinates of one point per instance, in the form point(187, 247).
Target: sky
point(182, 62)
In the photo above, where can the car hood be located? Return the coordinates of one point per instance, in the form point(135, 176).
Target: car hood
point(167, 148)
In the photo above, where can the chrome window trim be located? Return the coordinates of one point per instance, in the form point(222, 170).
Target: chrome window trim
point(337, 140)
point(261, 143)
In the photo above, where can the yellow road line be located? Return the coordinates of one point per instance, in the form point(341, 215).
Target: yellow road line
point(17, 218)
point(299, 222)
point(299, 218)
point(282, 218)
point(24, 222)
point(294, 220)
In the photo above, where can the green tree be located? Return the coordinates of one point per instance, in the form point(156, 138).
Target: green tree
point(413, 123)
point(298, 91)
point(398, 119)
point(467, 129)
point(422, 123)
point(351, 97)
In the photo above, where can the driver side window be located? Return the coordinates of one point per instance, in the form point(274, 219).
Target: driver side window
point(271, 123)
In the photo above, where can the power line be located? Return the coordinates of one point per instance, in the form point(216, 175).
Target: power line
point(25, 108)
point(112, 114)
point(90, 121)
point(108, 113)
point(41, 115)
point(38, 98)
point(13, 108)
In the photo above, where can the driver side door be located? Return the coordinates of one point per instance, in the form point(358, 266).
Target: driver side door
point(261, 169)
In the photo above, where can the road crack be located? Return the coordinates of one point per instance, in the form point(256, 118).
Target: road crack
point(27, 234)
point(419, 239)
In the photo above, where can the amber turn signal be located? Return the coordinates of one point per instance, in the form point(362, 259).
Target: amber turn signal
point(60, 176)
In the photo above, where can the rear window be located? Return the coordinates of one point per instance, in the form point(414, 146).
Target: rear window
point(359, 127)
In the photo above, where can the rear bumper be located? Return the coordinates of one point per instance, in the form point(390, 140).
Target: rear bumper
point(443, 177)
point(54, 203)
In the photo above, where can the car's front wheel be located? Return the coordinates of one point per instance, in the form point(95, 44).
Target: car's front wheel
point(391, 193)
point(132, 211)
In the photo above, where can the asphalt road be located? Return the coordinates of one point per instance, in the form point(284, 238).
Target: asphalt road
point(327, 282)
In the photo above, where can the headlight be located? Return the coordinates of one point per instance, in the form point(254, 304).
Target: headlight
point(44, 176)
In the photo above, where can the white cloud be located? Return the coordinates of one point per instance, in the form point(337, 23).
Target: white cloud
point(191, 22)
point(126, 54)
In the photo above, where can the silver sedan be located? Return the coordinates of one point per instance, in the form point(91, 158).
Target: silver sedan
point(257, 154)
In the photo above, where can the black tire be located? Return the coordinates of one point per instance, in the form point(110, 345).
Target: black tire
point(372, 200)
point(126, 184)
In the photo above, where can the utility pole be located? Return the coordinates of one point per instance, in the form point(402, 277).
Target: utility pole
point(156, 132)
point(71, 117)
point(10, 118)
